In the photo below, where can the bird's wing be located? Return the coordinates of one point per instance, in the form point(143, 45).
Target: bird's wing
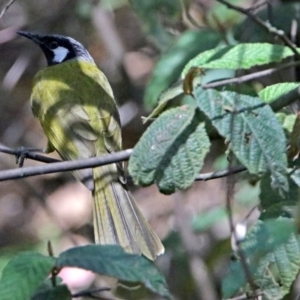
point(79, 123)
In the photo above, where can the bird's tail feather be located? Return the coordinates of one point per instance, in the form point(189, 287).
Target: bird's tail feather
point(117, 219)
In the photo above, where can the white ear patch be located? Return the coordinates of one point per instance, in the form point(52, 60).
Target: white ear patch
point(60, 54)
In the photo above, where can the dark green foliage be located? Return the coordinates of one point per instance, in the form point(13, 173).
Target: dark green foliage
point(24, 274)
point(172, 151)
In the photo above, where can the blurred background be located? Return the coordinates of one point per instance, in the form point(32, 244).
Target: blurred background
point(128, 40)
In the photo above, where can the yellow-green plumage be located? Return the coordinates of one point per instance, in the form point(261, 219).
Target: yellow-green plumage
point(76, 108)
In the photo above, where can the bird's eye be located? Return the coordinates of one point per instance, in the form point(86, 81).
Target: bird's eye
point(53, 45)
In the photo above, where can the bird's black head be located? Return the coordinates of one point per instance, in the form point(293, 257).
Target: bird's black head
point(58, 48)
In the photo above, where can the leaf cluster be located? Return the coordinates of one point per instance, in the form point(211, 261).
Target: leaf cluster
point(259, 130)
point(28, 271)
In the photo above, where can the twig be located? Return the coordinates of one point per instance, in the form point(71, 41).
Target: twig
point(30, 155)
point(66, 165)
point(6, 7)
point(220, 174)
point(249, 77)
point(266, 25)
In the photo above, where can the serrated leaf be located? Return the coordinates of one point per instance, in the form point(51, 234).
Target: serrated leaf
point(255, 135)
point(168, 68)
point(111, 260)
point(46, 292)
point(23, 274)
point(273, 204)
point(241, 56)
point(266, 242)
point(277, 90)
point(285, 260)
point(171, 151)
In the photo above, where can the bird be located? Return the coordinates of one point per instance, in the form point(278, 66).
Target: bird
point(74, 102)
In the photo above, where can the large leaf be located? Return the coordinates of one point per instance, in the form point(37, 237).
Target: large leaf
point(24, 274)
point(273, 258)
point(272, 204)
point(111, 260)
point(171, 151)
point(277, 90)
point(255, 134)
point(170, 65)
point(241, 56)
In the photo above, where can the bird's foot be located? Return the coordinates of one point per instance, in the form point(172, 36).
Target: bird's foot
point(22, 154)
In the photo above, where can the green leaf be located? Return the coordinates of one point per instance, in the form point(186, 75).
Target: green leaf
point(171, 151)
point(277, 90)
point(268, 245)
point(169, 67)
point(46, 292)
point(23, 275)
point(111, 260)
point(255, 135)
point(207, 219)
point(241, 56)
point(273, 204)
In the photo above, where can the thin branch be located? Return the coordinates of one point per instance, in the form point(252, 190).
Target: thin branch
point(66, 165)
point(266, 25)
point(6, 7)
point(29, 154)
point(249, 77)
point(220, 174)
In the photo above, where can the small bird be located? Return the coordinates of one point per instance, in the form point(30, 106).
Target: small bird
point(75, 105)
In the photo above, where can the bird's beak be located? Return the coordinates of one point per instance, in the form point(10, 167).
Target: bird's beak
point(34, 37)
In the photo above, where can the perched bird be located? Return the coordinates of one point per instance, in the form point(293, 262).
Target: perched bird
point(74, 103)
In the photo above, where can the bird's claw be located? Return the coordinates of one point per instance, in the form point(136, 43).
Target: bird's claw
point(22, 154)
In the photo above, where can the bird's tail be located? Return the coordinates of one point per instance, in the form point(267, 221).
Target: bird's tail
point(117, 219)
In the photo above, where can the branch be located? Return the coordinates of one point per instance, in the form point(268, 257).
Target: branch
point(266, 25)
point(66, 165)
point(220, 174)
point(249, 77)
point(6, 7)
point(29, 154)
